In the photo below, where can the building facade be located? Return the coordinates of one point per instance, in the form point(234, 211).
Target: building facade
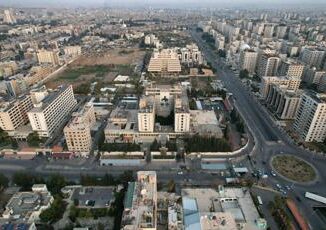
point(51, 113)
point(310, 120)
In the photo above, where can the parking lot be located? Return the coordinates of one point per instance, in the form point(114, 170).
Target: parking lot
point(86, 196)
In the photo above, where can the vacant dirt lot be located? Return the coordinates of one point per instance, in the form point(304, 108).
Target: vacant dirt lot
point(131, 56)
point(99, 67)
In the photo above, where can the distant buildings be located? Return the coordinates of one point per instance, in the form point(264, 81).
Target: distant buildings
point(72, 51)
point(78, 131)
point(313, 57)
point(165, 62)
point(310, 120)
point(9, 17)
point(48, 57)
point(51, 110)
point(8, 69)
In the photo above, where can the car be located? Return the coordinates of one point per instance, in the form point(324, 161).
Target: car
point(273, 173)
point(279, 186)
point(288, 187)
point(180, 173)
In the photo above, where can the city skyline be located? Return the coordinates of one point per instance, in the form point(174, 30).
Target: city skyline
point(159, 3)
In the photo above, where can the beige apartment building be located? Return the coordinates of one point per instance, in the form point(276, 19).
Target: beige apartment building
point(48, 57)
point(146, 115)
point(14, 114)
point(310, 120)
point(72, 51)
point(9, 17)
point(248, 60)
point(291, 84)
point(181, 115)
point(291, 68)
point(268, 64)
point(78, 131)
point(8, 69)
point(165, 62)
point(282, 102)
point(50, 114)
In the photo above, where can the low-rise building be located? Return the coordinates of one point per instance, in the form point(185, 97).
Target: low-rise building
point(140, 205)
point(27, 206)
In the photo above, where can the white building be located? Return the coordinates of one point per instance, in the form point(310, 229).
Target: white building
point(52, 111)
point(310, 120)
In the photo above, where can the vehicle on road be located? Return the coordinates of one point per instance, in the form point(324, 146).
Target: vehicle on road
point(273, 173)
point(260, 202)
point(180, 173)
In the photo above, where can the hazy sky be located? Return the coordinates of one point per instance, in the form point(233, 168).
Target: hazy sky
point(171, 3)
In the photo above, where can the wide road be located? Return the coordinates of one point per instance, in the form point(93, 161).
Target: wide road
point(270, 140)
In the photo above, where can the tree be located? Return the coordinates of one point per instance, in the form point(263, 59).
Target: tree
point(155, 145)
point(34, 140)
point(171, 186)
point(55, 183)
point(221, 53)
point(26, 180)
point(3, 181)
point(55, 212)
point(244, 74)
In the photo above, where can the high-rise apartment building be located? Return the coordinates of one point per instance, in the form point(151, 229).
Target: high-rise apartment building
point(9, 17)
point(289, 83)
point(48, 57)
point(268, 30)
point(78, 131)
point(310, 120)
point(52, 112)
point(191, 55)
point(281, 31)
point(146, 115)
point(291, 68)
point(268, 65)
point(248, 60)
point(14, 114)
point(313, 57)
point(283, 102)
point(181, 115)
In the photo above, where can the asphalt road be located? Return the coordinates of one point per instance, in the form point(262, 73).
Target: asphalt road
point(270, 140)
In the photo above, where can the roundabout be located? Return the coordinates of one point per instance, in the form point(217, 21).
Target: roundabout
point(294, 169)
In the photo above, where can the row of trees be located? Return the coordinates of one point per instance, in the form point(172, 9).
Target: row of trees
point(5, 140)
point(198, 143)
point(237, 120)
point(119, 147)
point(277, 208)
